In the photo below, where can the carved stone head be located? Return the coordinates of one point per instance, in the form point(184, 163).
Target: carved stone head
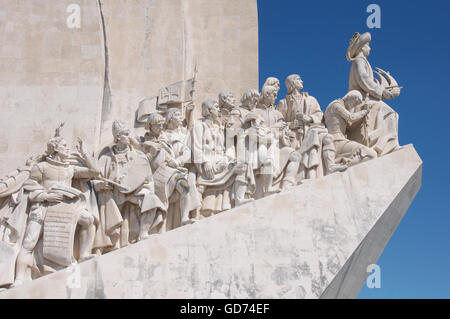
point(352, 99)
point(120, 132)
point(359, 43)
point(294, 83)
point(226, 100)
point(250, 99)
point(210, 109)
point(155, 123)
point(174, 117)
point(58, 146)
point(271, 81)
point(269, 95)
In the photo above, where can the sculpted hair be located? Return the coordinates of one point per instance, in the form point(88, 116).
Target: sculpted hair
point(53, 143)
point(268, 89)
point(353, 96)
point(248, 95)
point(170, 113)
point(206, 106)
point(290, 81)
point(223, 95)
point(271, 81)
point(155, 118)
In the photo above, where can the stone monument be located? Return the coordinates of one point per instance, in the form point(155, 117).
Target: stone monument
point(213, 199)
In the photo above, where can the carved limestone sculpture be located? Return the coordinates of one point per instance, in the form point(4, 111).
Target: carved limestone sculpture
point(380, 131)
point(56, 209)
point(62, 208)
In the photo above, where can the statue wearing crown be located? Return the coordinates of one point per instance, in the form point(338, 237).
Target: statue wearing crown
point(379, 130)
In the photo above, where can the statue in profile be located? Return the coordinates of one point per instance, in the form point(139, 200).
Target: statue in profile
point(380, 129)
point(300, 110)
point(56, 209)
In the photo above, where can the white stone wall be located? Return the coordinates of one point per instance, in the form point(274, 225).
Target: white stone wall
point(50, 73)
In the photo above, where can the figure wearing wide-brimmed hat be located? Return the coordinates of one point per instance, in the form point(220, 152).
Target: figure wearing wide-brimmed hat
point(380, 129)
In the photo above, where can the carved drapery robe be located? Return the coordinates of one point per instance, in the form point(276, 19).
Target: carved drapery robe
point(380, 132)
point(174, 147)
point(208, 146)
point(115, 206)
point(300, 103)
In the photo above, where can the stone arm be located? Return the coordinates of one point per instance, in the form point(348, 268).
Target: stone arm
point(198, 152)
point(347, 115)
point(282, 108)
point(39, 193)
point(365, 80)
point(85, 172)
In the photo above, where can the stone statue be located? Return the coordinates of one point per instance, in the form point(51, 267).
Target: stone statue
point(216, 171)
point(299, 109)
point(14, 210)
point(170, 157)
point(272, 81)
point(129, 207)
point(249, 101)
point(58, 208)
point(340, 116)
point(266, 108)
point(380, 130)
point(64, 207)
point(227, 103)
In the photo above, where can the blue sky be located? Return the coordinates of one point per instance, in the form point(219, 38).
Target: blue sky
point(310, 38)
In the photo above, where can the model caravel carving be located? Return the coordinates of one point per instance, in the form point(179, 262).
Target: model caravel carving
point(64, 207)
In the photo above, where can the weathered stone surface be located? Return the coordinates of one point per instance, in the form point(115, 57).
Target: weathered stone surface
point(313, 241)
point(48, 69)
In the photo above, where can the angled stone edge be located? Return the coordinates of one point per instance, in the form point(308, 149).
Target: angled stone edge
point(313, 241)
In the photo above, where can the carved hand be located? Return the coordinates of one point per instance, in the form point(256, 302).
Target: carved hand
point(173, 163)
point(190, 107)
point(80, 148)
point(103, 186)
point(305, 118)
point(208, 170)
